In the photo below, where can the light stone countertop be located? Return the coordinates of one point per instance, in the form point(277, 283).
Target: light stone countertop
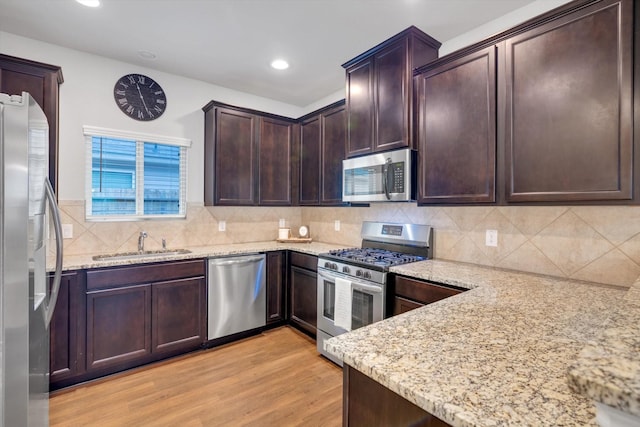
point(496, 355)
point(77, 262)
point(608, 368)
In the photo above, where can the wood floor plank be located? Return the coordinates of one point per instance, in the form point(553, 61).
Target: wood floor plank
point(274, 379)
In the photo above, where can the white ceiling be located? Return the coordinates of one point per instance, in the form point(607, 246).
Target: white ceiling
point(230, 43)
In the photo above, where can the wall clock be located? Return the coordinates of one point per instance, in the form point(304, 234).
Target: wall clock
point(140, 97)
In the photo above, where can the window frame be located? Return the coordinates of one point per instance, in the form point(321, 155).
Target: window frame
point(140, 139)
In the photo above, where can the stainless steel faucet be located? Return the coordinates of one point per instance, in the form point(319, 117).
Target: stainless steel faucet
point(141, 238)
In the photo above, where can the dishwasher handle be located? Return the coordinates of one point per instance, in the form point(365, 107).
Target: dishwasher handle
point(236, 261)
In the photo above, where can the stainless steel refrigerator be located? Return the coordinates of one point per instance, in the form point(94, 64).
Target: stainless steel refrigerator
point(29, 221)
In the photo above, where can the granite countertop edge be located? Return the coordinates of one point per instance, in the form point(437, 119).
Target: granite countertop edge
point(607, 370)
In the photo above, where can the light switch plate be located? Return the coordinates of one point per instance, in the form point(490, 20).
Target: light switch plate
point(282, 223)
point(491, 238)
point(336, 225)
point(222, 225)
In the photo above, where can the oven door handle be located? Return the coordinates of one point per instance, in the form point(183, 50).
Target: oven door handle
point(354, 283)
point(369, 288)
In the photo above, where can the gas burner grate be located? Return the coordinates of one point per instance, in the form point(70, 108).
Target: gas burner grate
point(374, 256)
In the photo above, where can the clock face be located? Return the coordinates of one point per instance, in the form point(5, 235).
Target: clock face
point(140, 97)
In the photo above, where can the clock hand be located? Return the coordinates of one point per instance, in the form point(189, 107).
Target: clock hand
point(142, 98)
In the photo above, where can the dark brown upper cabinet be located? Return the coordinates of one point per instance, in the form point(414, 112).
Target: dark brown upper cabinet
point(569, 106)
point(248, 157)
point(456, 129)
point(19, 75)
point(274, 162)
point(379, 92)
point(322, 149)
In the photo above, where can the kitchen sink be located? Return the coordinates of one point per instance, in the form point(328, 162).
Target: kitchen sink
point(123, 256)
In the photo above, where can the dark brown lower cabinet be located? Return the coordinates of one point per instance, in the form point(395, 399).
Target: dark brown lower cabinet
point(367, 403)
point(67, 346)
point(143, 313)
point(178, 309)
point(118, 326)
point(276, 262)
point(402, 305)
point(412, 293)
point(303, 292)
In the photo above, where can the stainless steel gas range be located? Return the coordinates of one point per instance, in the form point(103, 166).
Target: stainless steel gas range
point(352, 283)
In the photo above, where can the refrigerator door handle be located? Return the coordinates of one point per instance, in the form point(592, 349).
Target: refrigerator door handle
point(57, 225)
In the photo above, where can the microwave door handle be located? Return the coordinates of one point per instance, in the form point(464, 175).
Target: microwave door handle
point(385, 178)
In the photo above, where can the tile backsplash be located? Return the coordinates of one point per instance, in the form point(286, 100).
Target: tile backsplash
point(200, 228)
point(594, 243)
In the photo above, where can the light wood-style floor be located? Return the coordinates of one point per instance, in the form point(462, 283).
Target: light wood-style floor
point(274, 379)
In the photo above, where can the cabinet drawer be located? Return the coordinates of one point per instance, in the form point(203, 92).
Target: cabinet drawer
point(310, 262)
point(421, 291)
point(127, 276)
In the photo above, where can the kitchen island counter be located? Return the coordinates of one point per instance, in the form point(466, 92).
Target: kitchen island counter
point(498, 354)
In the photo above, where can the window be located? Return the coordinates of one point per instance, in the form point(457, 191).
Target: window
point(131, 175)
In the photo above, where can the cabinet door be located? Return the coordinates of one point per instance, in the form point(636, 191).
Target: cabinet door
point(402, 305)
point(310, 161)
point(41, 81)
point(369, 403)
point(457, 130)
point(235, 157)
point(392, 97)
point(360, 107)
point(412, 293)
point(118, 327)
point(66, 349)
point(275, 286)
point(179, 313)
point(274, 162)
point(333, 152)
point(304, 298)
point(569, 107)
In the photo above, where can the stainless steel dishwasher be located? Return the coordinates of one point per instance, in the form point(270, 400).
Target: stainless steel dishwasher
point(236, 294)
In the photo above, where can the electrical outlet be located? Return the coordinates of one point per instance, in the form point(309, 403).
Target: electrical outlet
point(336, 225)
point(222, 225)
point(67, 231)
point(282, 223)
point(491, 238)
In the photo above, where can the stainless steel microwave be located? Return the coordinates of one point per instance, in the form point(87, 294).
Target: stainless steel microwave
point(382, 177)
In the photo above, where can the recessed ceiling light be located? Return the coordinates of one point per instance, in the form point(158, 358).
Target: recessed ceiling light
point(89, 3)
point(145, 54)
point(279, 64)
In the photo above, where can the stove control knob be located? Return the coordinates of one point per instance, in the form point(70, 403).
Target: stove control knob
point(358, 273)
point(346, 269)
point(327, 264)
point(334, 266)
point(367, 275)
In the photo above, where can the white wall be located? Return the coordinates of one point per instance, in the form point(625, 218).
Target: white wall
point(86, 98)
point(499, 25)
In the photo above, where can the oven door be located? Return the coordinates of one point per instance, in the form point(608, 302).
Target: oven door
point(367, 302)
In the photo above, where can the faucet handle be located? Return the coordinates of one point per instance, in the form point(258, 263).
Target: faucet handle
point(143, 234)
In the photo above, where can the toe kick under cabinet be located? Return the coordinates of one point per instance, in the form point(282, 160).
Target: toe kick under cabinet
point(140, 314)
